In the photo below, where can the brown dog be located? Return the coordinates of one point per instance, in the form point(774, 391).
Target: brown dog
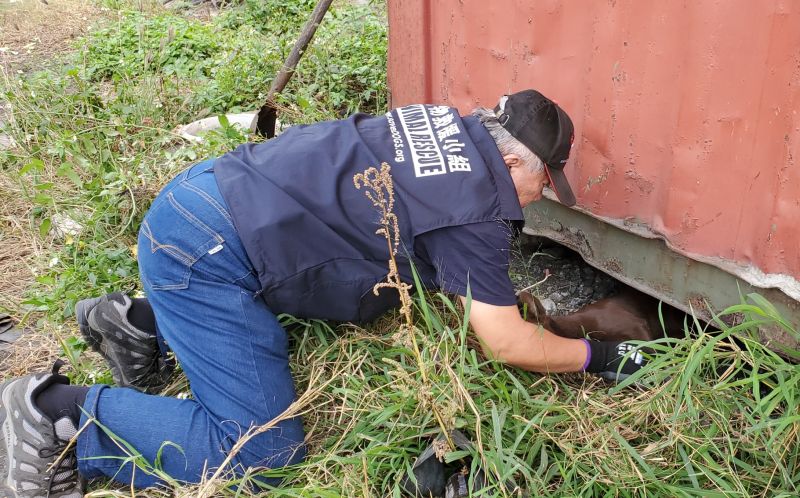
point(629, 314)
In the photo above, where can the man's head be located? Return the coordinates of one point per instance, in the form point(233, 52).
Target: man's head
point(534, 136)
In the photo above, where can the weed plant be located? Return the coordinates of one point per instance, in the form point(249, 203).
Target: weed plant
point(710, 417)
point(227, 65)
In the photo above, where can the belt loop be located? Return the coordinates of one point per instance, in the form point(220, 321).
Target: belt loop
point(200, 168)
point(210, 167)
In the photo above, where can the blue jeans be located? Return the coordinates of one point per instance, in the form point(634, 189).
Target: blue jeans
point(204, 293)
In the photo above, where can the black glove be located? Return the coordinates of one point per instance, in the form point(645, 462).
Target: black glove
point(606, 357)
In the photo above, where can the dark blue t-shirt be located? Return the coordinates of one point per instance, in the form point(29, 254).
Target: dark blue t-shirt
point(477, 254)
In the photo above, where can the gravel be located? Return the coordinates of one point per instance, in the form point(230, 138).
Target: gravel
point(558, 276)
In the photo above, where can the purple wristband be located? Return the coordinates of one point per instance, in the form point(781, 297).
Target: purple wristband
point(588, 354)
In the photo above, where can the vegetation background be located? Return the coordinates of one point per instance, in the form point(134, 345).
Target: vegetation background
point(92, 93)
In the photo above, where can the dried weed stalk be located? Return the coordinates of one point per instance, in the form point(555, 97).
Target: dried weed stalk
point(380, 191)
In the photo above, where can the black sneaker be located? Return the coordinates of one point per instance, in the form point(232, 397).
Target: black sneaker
point(37, 458)
point(132, 353)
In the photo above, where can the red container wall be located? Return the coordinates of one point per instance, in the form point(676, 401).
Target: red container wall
point(686, 113)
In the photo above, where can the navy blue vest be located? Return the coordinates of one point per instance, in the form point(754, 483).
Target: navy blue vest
point(310, 234)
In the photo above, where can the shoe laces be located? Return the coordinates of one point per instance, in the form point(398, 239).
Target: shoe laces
point(64, 471)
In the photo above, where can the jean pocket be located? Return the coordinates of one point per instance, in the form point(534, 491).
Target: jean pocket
point(171, 240)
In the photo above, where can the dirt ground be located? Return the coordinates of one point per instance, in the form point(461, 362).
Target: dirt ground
point(34, 33)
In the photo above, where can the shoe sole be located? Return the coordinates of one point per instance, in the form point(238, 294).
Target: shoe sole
point(5, 430)
point(82, 310)
point(95, 341)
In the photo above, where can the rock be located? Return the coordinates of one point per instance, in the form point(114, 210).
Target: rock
point(194, 131)
point(572, 283)
point(7, 142)
point(548, 305)
point(63, 225)
point(575, 304)
point(604, 287)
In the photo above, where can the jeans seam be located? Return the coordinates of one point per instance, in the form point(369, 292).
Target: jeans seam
point(193, 219)
point(183, 258)
point(261, 394)
point(238, 281)
point(89, 429)
point(213, 202)
point(190, 172)
point(155, 245)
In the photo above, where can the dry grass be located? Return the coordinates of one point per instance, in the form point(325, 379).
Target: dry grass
point(32, 36)
point(20, 253)
point(33, 352)
point(19, 247)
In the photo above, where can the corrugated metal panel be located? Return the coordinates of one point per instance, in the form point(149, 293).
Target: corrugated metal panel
point(686, 113)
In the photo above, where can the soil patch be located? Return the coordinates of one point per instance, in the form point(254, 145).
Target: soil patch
point(34, 34)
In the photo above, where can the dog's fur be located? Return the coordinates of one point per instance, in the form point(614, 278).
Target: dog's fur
point(629, 314)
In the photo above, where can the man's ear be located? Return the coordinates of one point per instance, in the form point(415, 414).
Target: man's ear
point(512, 160)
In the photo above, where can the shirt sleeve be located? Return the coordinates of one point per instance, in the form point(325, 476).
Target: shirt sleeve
point(476, 254)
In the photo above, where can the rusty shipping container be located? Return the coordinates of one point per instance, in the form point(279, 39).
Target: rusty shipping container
point(687, 128)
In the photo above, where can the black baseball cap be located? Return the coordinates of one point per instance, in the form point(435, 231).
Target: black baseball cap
point(543, 127)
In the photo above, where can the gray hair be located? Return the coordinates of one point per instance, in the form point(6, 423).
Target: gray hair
point(506, 143)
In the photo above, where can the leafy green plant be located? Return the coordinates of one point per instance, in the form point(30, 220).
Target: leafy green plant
point(138, 45)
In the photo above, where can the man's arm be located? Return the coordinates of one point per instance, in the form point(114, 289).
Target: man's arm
point(506, 337)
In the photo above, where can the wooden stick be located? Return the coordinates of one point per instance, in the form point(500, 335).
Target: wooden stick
point(265, 118)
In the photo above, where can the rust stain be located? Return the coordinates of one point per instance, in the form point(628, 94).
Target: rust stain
point(499, 55)
point(602, 177)
point(571, 237)
point(613, 265)
point(643, 184)
point(699, 304)
point(661, 288)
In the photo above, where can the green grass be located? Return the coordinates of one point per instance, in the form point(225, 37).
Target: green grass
point(712, 417)
point(709, 419)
